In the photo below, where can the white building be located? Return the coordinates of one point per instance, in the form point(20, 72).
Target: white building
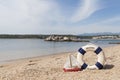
point(105, 37)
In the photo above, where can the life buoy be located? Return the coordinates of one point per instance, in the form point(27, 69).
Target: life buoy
point(100, 55)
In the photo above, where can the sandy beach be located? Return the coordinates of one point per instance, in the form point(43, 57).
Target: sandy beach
point(51, 68)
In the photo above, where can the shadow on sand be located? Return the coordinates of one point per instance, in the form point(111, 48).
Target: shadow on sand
point(108, 66)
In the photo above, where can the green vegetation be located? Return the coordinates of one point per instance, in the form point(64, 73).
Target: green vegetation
point(85, 37)
point(37, 36)
point(20, 36)
point(23, 36)
point(41, 36)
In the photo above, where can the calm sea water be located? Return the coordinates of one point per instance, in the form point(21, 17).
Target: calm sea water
point(22, 48)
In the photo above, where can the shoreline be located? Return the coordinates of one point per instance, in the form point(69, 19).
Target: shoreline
point(41, 56)
point(50, 67)
point(12, 60)
point(35, 57)
point(47, 55)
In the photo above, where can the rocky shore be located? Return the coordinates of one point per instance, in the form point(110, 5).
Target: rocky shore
point(64, 38)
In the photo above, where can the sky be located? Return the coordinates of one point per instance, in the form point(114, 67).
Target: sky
point(59, 16)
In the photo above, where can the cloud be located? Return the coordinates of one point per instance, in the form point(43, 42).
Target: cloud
point(85, 10)
point(27, 16)
point(45, 16)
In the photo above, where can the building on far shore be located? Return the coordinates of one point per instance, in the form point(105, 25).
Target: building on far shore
point(105, 37)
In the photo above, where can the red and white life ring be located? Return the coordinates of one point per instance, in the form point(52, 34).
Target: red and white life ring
point(99, 52)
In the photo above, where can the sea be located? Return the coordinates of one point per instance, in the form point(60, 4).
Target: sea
point(11, 49)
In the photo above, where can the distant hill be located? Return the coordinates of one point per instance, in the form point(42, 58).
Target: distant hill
point(98, 34)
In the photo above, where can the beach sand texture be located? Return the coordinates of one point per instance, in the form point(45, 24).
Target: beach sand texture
point(51, 68)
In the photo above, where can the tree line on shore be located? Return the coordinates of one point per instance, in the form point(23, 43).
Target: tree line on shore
point(20, 36)
point(41, 36)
